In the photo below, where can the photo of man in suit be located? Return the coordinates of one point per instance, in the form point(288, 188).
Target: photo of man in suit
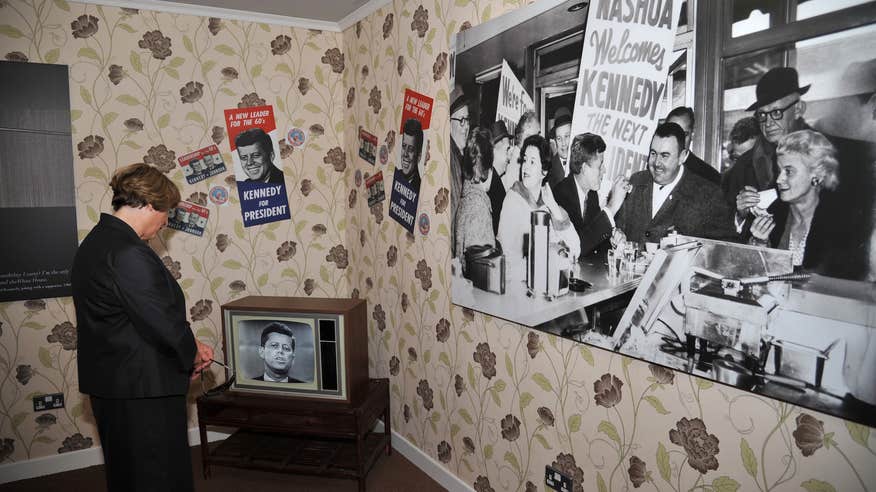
point(277, 350)
point(667, 197)
point(411, 150)
point(256, 152)
point(576, 193)
point(562, 137)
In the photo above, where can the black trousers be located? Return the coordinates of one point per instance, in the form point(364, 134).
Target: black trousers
point(145, 443)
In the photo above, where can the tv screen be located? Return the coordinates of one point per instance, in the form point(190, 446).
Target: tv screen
point(275, 349)
point(296, 347)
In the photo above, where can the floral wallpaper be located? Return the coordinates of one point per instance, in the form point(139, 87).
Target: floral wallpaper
point(495, 402)
point(492, 401)
point(151, 87)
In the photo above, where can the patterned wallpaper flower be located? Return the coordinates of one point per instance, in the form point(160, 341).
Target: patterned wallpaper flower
point(492, 401)
point(495, 402)
point(150, 87)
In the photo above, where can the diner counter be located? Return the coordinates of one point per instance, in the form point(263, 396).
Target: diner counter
point(515, 305)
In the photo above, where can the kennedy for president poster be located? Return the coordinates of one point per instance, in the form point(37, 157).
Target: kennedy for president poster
point(252, 133)
point(414, 131)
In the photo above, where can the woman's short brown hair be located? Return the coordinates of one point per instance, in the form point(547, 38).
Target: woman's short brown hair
point(139, 185)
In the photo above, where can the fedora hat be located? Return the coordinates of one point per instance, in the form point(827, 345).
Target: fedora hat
point(457, 98)
point(776, 84)
point(499, 131)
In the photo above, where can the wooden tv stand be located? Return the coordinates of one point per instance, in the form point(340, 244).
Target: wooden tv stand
point(297, 435)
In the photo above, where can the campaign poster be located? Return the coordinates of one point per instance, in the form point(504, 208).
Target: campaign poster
point(374, 185)
point(622, 80)
point(367, 146)
point(189, 218)
point(513, 99)
point(416, 116)
point(202, 164)
point(261, 187)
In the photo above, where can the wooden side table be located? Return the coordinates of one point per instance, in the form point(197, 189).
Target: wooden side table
point(297, 435)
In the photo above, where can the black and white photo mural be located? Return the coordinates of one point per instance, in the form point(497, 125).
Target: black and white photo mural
point(676, 182)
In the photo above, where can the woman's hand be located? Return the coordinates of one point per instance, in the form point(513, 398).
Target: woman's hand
point(203, 358)
point(761, 228)
point(747, 199)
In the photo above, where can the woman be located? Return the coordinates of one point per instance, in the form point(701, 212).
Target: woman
point(529, 193)
point(805, 219)
point(474, 220)
point(136, 351)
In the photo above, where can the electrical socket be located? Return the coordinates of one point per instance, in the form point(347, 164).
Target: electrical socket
point(555, 480)
point(48, 402)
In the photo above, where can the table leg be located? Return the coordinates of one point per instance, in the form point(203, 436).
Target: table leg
point(387, 430)
point(204, 451)
point(360, 464)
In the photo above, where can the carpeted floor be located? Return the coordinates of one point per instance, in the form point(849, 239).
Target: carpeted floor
point(390, 474)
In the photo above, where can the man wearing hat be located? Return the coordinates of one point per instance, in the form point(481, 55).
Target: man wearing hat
point(562, 134)
point(501, 153)
point(779, 111)
point(459, 129)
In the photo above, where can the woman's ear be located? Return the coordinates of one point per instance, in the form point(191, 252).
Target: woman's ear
point(815, 181)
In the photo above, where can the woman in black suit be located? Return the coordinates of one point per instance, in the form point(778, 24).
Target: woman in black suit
point(136, 350)
point(806, 219)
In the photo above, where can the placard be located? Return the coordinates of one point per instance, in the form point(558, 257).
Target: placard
point(374, 185)
point(202, 164)
point(413, 133)
point(513, 99)
point(622, 80)
point(261, 187)
point(189, 218)
point(367, 146)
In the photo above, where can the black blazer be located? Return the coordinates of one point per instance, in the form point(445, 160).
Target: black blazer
point(134, 340)
point(695, 208)
point(497, 198)
point(699, 167)
point(833, 246)
point(593, 226)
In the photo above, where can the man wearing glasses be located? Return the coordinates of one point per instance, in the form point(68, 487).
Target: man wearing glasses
point(779, 111)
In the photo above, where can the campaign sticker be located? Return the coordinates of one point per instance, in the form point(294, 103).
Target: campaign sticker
point(202, 164)
point(367, 146)
point(358, 177)
point(376, 192)
point(218, 195)
point(296, 137)
point(384, 154)
point(424, 224)
point(189, 218)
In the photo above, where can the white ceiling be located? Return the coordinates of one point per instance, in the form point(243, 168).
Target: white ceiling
point(333, 15)
point(323, 10)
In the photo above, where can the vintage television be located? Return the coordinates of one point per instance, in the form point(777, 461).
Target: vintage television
point(329, 359)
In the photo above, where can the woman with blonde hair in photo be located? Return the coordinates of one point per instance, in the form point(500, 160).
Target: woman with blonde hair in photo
point(806, 219)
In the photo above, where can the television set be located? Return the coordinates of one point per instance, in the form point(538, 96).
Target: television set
point(297, 347)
